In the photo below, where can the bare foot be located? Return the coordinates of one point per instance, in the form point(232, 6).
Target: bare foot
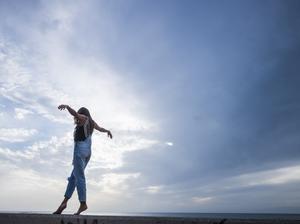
point(60, 208)
point(82, 208)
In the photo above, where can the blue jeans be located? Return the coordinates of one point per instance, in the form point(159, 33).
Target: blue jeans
point(81, 157)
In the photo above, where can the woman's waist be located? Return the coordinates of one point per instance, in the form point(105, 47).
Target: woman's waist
point(85, 143)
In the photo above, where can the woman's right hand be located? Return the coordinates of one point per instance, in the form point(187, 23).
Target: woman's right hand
point(109, 134)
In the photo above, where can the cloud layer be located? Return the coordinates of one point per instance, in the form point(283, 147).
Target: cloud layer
point(202, 100)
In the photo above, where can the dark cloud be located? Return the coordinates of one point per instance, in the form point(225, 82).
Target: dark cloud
point(243, 114)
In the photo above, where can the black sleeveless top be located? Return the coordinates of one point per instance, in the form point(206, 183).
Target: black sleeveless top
point(81, 132)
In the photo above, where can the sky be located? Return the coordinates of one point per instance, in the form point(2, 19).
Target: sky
point(200, 96)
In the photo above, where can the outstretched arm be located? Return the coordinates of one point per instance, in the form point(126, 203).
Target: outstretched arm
point(80, 117)
point(98, 128)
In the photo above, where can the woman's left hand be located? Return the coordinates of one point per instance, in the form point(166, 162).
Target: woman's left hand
point(62, 107)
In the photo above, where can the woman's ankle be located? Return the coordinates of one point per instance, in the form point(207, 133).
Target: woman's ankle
point(83, 203)
point(65, 201)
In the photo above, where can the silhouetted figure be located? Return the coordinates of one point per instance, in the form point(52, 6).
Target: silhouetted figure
point(82, 153)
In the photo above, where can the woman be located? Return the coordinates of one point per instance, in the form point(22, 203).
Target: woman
point(82, 153)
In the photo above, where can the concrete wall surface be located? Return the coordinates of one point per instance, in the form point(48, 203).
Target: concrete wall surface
point(26, 218)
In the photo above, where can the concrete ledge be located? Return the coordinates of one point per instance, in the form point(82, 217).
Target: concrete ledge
point(20, 218)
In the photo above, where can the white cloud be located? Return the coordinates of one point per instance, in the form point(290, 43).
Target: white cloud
point(20, 113)
point(154, 189)
point(283, 175)
point(16, 134)
point(55, 153)
point(114, 183)
point(22, 185)
point(267, 178)
point(202, 200)
point(23, 86)
point(54, 144)
point(109, 153)
point(15, 155)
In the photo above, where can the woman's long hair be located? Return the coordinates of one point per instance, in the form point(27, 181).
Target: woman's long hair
point(86, 112)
